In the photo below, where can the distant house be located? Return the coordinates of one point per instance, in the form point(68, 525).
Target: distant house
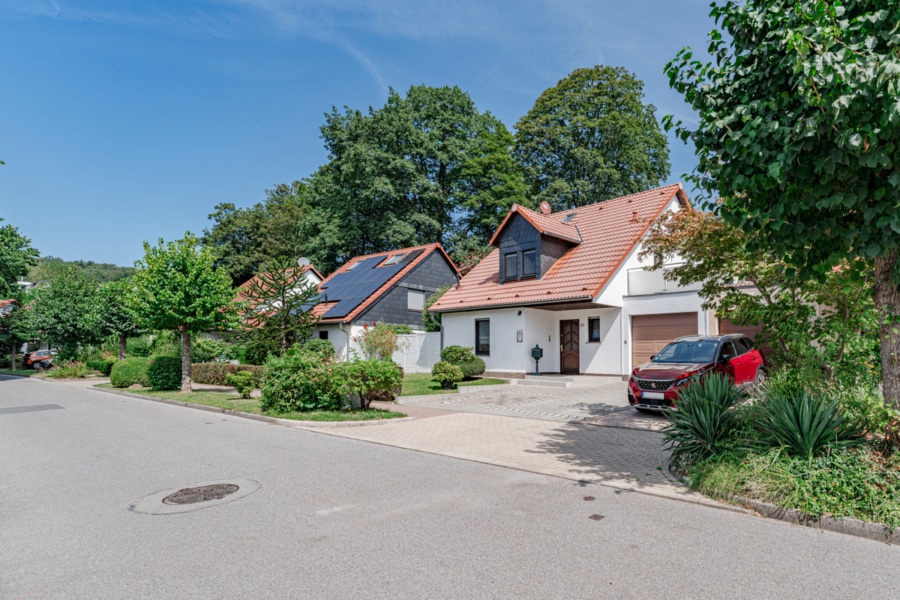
point(311, 275)
point(572, 284)
point(389, 286)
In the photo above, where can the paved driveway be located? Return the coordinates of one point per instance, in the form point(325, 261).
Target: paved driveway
point(604, 403)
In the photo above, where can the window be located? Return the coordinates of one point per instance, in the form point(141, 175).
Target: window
point(727, 350)
point(529, 263)
point(415, 300)
point(742, 345)
point(323, 335)
point(510, 266)
point(394, 259)
point(594, 329)
point(482, 336)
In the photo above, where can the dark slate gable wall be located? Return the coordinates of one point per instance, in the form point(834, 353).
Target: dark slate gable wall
point(517, 236)
point(428, 276)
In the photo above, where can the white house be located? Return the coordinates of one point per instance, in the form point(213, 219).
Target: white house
point(572, 284)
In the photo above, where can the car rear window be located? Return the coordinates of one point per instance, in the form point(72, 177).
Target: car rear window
point(689, 351)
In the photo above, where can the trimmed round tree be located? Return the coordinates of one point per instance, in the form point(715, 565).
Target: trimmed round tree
point(176, 287)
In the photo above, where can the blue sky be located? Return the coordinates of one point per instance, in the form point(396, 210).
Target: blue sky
point(129, 120)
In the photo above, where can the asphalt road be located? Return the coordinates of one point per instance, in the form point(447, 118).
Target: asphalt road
point(340, 518)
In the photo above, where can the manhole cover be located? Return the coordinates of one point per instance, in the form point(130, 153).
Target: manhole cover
point(201, 494)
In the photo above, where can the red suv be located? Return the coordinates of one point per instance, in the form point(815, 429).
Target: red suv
point(655, 385)
point(38, 359)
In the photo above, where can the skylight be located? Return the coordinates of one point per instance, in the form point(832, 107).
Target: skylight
point(394, 259)
point(569, 217)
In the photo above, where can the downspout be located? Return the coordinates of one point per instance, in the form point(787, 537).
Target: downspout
point(347, 347)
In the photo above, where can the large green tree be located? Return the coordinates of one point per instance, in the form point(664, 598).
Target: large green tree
point(63, 312)
point(16, 256)
point(591, 138)
point(178, 288)
point(245, 238)
point(425, 167)
point(799, 125)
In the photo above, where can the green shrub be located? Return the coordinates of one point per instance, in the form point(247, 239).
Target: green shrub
point(68, 370)
point(379, 341)
point(319, 346)
point(137, 346)
point(130, 371)
point(164, 373)
point(447, 374)
point(864, 404)
point(301, 381)
point(243, 381)
point(215, 373)
point(465, 359)
point(204, 349)
point(101, 365)
point(704, 422)
point(806, 426)
point(374, 380)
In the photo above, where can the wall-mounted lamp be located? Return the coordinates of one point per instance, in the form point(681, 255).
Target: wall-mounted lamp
point(519, 335)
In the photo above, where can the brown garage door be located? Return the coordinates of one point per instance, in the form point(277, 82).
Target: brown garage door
point(650, 333)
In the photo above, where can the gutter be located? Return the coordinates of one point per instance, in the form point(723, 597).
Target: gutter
point(347, 333)
point(518, 304)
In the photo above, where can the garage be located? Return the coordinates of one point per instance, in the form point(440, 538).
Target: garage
point(650, 333)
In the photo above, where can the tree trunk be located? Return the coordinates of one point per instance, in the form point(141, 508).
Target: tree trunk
point(122, 346)
point(185, 359)
point(12, 357)
point(887, 302)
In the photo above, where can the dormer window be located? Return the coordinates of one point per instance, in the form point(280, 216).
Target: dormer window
point(511, 265)
point(529, 263)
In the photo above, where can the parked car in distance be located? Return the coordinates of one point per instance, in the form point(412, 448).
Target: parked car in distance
point(654, 385)
point(38, 359)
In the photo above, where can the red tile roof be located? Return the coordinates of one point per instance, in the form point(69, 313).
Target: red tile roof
point(241, 294)
point(608, 232)
point(428, 249)
point(546, 224)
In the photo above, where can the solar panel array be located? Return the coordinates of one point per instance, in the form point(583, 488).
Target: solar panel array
point(351, 288)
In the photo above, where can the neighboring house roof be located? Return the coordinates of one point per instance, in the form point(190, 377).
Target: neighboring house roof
point(6, 306)
point(604, 234)
point(362, 280)
point(310, 268)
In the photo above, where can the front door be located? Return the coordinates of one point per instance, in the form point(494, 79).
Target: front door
point(568, 347)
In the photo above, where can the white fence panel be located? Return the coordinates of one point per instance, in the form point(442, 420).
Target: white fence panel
point(418, 352)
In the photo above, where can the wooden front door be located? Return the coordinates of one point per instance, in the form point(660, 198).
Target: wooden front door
point(568, 347)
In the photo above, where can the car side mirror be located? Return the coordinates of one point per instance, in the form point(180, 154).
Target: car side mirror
point(725, 358)
point(652, 356)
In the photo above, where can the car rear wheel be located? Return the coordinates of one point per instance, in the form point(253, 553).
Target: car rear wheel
point(760, 376)
point(36, 365)
point(46, 364)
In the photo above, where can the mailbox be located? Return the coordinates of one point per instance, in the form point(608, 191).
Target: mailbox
point(537, 353)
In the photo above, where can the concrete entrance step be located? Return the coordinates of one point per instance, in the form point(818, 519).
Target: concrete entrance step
point(569, 380)
point(543, 382)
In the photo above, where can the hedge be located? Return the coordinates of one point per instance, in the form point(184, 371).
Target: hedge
point(463, 358)
point(130, 371)
point(165, 373)
point(102, 365)
point(214, 373)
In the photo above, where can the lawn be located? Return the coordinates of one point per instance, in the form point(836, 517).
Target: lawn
point(232, 401)
point(422, 384)
point(22, 372)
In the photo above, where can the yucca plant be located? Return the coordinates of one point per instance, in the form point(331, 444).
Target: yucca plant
point(806, 426)
point(704, 420)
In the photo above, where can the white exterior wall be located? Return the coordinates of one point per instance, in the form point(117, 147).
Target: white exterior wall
point(506, 353)
point(338, 339)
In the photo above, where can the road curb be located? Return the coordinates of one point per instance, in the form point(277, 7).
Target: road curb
point(252, 417)
point(845, 525)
